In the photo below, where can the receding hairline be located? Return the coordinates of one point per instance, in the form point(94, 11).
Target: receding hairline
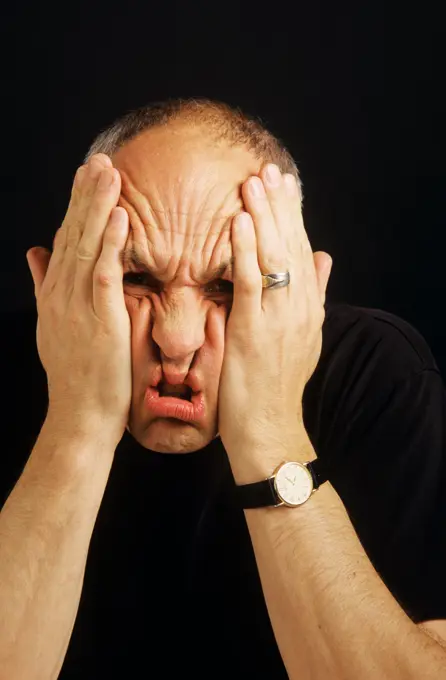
point(220, 121)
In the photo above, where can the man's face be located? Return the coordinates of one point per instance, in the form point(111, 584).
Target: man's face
point(181, 190)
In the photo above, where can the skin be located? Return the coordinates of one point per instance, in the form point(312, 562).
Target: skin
point(47, 523)
point(181, 191)
point(49, 517)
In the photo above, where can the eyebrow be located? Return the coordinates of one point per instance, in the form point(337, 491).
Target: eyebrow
point(131, 257)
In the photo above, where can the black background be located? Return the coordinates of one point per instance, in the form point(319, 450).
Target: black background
point(356, 91)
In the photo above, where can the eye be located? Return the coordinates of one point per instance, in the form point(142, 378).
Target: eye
point(219, 287)
point(136, 279)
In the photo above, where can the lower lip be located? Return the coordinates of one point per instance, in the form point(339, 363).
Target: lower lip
point(172, 407)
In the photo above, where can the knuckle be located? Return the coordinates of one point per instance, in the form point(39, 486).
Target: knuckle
point(92, 175)
point(274, 265)
point(249, 285)
point(104, 278)
point(75, 319)
point(83, 253)
point(105, 183)
point(102, 159)
point(73, 234)
point(103, 195)
point(96, 165)
point(59, 237)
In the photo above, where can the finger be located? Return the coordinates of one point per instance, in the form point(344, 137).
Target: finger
point(76, 194)
point(83, 188)
point(293, 192)
point(85, 258)
point(277, 196)
point(295, 211)
point(59, 241)
point(76, 224)
point(269, 246)
point(304, 250)
point(247, 279)
point(290, 184)
point(108, 273)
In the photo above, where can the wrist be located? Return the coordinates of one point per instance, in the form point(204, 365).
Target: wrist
point(252, 460)
point(85, 430)
point(72, 454)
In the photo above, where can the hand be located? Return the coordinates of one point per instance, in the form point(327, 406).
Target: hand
point(83, 329)
point(273, 337)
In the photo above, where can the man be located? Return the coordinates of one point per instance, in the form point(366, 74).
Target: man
point(183, 302)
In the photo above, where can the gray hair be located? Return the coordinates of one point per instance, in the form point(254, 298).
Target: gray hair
point(220, 120)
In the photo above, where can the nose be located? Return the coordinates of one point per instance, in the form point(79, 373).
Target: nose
point(179, 332)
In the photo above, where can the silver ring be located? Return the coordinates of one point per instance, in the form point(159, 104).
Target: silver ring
point(279, 280)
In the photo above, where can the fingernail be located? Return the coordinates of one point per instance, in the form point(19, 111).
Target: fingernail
point(256, 187)
point(105, 180)
point(272, 175)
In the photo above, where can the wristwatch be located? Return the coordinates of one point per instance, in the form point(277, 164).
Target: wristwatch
point(291, 484)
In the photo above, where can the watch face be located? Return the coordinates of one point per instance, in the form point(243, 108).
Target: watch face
point(293, 483)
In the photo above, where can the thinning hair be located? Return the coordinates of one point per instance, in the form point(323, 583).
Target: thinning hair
point(221, 121)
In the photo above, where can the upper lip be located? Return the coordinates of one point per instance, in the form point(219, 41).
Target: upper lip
point(191, 381)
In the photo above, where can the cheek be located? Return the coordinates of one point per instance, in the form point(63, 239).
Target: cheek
point(139, 310)
point(131, 303)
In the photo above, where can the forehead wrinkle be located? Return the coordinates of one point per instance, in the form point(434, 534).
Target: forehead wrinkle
point(218, 245)
point(149, 207)
point(149, 225)
point(206, 229)
point(135, 198)
point(143, 214)
point(218, 241)
point(212, 242)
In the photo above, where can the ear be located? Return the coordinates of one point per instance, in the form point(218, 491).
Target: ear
point(322, 264)
point(38, 260)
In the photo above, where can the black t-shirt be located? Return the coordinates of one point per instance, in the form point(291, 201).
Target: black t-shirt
point(171, 585)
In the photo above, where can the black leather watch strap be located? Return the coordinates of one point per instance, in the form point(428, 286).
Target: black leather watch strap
point(262, 494)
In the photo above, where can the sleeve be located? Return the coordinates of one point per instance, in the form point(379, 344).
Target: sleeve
point(389, 469)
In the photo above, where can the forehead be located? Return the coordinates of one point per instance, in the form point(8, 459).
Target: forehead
point(167, 153)
point(181, 189)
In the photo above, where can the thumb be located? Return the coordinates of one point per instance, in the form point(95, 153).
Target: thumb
point(38, 260)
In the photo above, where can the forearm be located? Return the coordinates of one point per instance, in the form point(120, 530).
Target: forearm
point(332, 615)
point(45, 531)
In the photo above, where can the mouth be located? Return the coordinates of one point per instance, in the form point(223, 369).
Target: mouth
point(178, 391)
point(175, 401)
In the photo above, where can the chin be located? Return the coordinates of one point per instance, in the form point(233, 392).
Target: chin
point(168, 435)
